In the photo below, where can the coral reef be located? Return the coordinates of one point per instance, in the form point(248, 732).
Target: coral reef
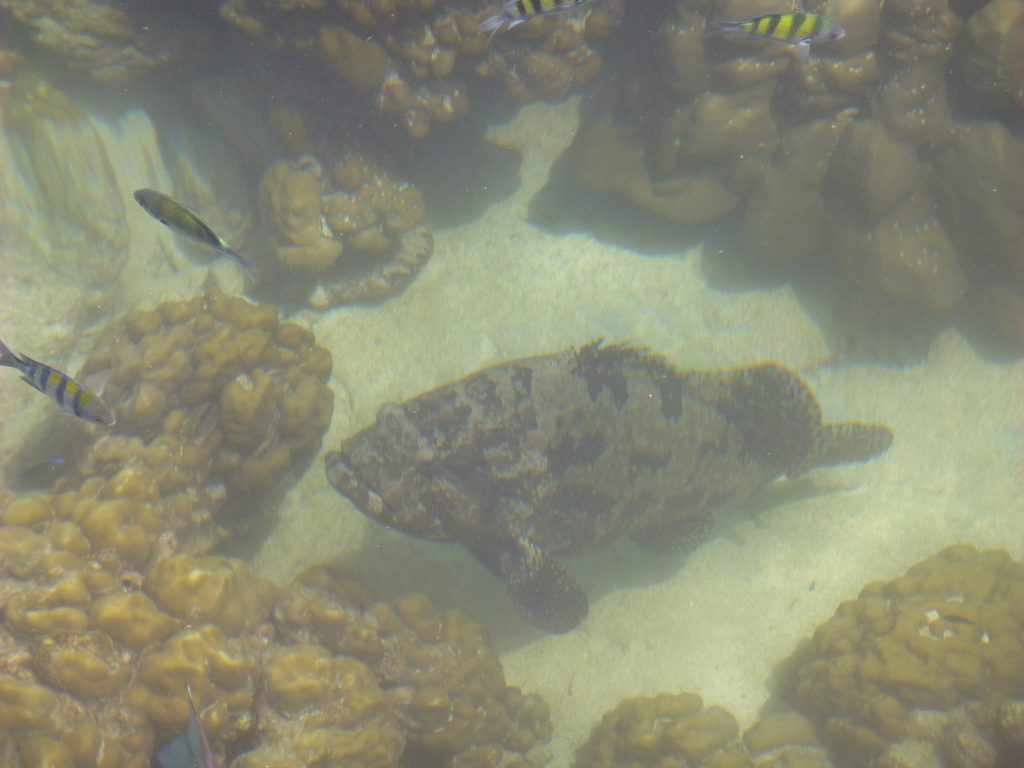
point(213, 393)
point(438, 671)
point(97, 655)
point(785, 740)
point(989, 56)
point(864, 159)
point(418, 58)
point(358, 208)
point(94, 660)
point(96, 37)
point(925, 670)
point(669, 731)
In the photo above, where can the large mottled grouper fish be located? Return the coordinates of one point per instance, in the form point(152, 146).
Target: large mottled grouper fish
point(560, 453)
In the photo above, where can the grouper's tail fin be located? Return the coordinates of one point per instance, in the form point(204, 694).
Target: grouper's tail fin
point(848, 442)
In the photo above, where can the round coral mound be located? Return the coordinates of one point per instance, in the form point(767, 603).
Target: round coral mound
point(924, 670)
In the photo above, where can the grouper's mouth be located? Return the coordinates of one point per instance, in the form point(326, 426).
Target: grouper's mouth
point(350, 484)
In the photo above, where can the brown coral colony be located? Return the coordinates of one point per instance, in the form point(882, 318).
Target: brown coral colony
point(891, 163)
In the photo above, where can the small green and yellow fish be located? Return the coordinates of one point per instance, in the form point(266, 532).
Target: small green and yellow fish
point(515, 12)
point(795, 27)
point(180, 219)
point(69, 394)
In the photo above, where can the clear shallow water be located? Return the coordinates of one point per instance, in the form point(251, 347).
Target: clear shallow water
point(515, 273)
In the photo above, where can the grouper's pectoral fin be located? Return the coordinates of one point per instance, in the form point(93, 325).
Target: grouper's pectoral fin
point(543, 592)
point(676, 536)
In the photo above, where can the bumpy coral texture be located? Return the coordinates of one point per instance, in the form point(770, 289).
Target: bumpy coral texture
point(438, 671)
point(99, 38)
point(925, 670)
point(830, 161)
point(357, 213)
point(419, 58)
point(668, 731)
point(96, 656)
point(215, 396)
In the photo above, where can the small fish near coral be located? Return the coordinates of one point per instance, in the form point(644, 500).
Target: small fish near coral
point(562, 453)
point(516, 12)
point(191, 749)
point(69, 394)
point(181, 220)
point(796, 28)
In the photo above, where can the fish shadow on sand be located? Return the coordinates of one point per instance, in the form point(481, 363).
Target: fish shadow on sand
point(393, 563)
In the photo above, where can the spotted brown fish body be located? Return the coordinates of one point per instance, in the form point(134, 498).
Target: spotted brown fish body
point(561, 453)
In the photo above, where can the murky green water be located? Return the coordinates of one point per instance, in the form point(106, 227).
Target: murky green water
point(389, 239)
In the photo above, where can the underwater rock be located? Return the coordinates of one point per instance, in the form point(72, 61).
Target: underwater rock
point(559, 453)
point(925, 670)
point(78, 226)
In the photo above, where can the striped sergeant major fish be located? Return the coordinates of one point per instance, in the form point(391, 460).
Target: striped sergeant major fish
point(795, 27)
point(180, 219)
point(515, 12)
point(69, 394)
point(191, 749)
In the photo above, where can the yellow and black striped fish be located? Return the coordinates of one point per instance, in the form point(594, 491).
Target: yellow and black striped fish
point(69, 394)
point(797, 28)
point(517, 11)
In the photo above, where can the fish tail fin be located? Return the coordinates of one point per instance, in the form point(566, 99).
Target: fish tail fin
point(8, 358)
point(249, 267)
point(850, 442)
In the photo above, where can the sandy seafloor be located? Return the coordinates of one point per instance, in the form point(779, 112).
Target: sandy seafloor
point(717, 621)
